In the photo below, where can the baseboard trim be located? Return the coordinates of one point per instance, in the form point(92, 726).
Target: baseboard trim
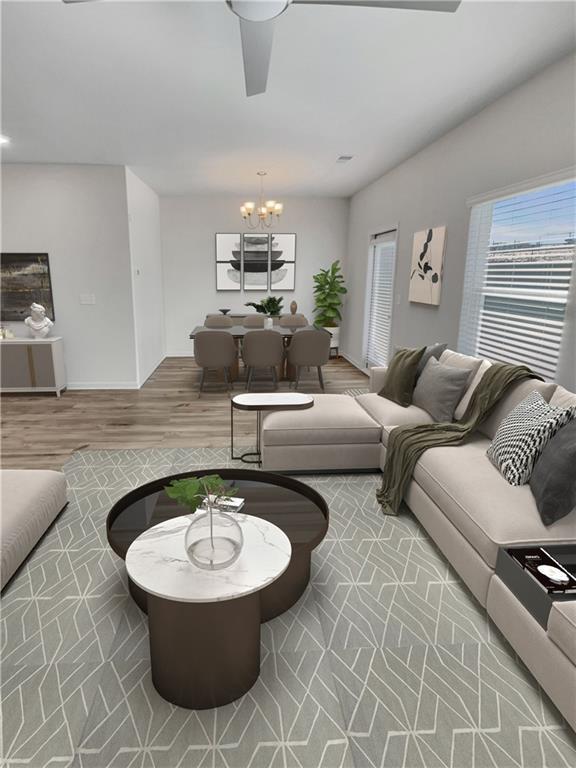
point(102, 385)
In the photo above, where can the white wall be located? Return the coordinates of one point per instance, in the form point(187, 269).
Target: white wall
point(189, 225)
point(526, 133)
point(78, 215)
point(146, 262)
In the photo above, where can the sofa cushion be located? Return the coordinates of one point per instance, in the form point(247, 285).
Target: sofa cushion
point(401, 376)
point(463, 404)
point(387, 413)
point(431, 351)
point(553, 481)
point(562, 398)
point(457, 360)
point(439, 388)
point(562, 627)
point(514, 396)
point(523, 435)
point(332, 420)
point(487, 511)
point(31, 500)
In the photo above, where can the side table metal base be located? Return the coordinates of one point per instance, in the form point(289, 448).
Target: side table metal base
point(247, 458)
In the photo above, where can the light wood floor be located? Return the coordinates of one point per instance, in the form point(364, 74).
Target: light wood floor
point(42, 431)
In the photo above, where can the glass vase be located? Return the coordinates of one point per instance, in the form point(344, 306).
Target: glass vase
point(213, 540)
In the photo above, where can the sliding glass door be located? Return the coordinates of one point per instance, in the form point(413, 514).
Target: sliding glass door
point(380, 299)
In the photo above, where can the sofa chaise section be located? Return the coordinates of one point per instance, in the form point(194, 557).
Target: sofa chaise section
point(336, 434)
point(31, 500)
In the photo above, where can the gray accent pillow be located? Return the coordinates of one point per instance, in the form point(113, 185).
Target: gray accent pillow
point(440, 389)
point(432, 350)
point(553, 480)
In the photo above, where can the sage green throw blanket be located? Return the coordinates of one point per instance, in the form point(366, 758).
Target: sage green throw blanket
point(407, 443)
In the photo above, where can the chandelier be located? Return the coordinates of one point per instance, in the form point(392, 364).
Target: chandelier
point(265, 213)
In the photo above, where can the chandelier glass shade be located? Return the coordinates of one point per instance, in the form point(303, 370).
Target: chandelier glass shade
point(263, 215)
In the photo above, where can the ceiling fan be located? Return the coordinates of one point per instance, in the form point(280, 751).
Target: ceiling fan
point(258, 17)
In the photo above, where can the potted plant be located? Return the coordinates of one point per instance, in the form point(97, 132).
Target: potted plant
point(213, 539)
point(270, 306)
point(328, 291)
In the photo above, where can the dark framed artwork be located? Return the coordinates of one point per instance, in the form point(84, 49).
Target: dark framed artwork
point(283, 262)
point(256, 253)
point(25, 278)
point(228, 262)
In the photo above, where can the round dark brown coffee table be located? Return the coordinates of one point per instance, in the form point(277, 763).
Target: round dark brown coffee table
point(206, 653)
point(298, 510)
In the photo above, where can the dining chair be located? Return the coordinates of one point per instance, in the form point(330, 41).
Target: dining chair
point(293, 321)
point(262, 349)
point(309, 347)
point(254, 321)
point(218, 321)
point(215, 350)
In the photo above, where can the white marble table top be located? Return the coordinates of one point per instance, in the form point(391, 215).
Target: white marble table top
point(272, 400)
point(157, 562)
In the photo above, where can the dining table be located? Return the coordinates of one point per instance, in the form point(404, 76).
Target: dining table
point(239, 331)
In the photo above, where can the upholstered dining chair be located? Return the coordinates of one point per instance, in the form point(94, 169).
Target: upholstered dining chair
point(309, 347)
point(262, 349)
point(218, 321)
point(253, 321)
point(293, 321)
point(215, 350)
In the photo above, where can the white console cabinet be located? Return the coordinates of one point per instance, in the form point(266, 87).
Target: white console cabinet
point(32, 365)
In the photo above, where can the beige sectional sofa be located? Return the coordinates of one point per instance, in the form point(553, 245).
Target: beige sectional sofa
point(31, 499)
point(461, 499)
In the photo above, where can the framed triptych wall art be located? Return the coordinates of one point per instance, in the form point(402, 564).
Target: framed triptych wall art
point(255, 262)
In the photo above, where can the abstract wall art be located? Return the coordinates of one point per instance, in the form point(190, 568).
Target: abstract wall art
point(25, 278)
point(228, 262)
point(255, 262)
point(427, 265)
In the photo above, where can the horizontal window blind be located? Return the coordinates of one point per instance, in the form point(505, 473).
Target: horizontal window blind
point(519, 267)
point(383, 251)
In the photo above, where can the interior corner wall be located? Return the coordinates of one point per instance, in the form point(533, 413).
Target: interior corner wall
point(78, 215)
point(147, 280)
point(189, 225)
point(526, 133)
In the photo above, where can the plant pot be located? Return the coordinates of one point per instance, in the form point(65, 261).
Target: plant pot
point(335, 333)
point(268, 322)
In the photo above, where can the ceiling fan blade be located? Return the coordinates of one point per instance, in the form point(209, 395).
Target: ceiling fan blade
point(77, 1)
point(447, 6)
point(257, 39)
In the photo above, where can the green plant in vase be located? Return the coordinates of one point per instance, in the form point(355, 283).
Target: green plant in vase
point(213, 539)
point(271, 305)
point(329, 288)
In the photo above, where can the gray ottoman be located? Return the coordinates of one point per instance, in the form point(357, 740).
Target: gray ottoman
point(335, 434)
point(31, 500)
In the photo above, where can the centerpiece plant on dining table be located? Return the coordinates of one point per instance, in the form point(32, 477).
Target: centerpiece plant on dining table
point(271, 305)
point(214, 538)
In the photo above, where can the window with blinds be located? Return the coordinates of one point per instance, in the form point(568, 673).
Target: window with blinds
point(380, 300)
point(519, 266)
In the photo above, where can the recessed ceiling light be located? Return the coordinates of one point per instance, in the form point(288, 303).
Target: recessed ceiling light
point(344, 158)
point(4, 140)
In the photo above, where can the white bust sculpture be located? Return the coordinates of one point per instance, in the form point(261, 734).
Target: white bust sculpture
point(38, 324)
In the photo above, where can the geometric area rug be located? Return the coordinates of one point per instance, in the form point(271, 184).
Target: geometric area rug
point(386, 661)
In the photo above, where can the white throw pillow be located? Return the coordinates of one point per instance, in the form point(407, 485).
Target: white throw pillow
point(523, 434)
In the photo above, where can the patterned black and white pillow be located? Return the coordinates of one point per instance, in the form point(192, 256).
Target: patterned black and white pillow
point(523, 434)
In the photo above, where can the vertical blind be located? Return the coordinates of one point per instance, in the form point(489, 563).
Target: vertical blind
point(518, 270)
point(383, 253)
